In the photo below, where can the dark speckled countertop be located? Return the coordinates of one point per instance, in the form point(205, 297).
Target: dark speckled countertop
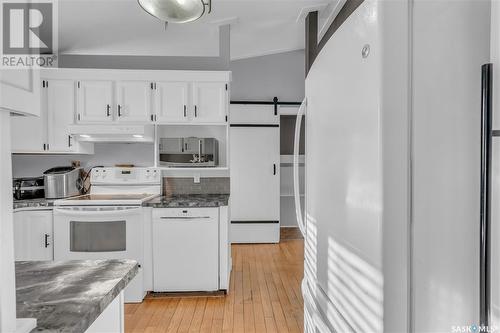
point(68, 296)
point(189, 200)
point(33, 203)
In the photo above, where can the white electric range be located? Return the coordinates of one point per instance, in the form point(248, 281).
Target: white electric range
point(107, 223)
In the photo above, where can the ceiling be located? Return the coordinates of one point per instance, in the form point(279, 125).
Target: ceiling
point(121, 27)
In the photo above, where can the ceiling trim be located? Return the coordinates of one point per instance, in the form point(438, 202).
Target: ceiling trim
point(226, 21)
point(304, 11)
point(270, 52)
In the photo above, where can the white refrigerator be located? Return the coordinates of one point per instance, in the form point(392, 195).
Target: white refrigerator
point(392, 162)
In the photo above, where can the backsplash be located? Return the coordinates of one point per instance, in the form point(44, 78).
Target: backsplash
point(172, 186)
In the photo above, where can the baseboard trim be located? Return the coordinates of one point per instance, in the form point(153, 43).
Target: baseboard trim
point(249, 232)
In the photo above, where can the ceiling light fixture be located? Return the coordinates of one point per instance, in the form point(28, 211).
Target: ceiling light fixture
point(138, 136)
point(176, 11)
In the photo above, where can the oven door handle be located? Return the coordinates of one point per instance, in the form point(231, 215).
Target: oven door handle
point(97, 213)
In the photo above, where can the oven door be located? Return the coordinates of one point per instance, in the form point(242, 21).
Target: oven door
point(98, 233)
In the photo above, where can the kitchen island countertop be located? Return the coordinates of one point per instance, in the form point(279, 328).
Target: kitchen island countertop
point(189, 201)
point(68, 296)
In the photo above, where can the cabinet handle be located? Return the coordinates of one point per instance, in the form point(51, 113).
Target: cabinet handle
point(108, 110)
point(119, 110)
point(69, 141)
point(47, 240)
point(274, 169)
point(152, 118)
point(44, 146)
point(196, 111)
point(185, 112)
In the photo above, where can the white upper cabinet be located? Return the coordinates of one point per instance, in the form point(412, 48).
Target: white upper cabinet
point(210, 102)
point(19, 91)
point(49, 133)
point(171, 102)
point(60, 114)
point(95, 101)
point(28, 133)
point(134, 101)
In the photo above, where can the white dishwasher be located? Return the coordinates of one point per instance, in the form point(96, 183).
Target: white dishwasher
point(185, 249)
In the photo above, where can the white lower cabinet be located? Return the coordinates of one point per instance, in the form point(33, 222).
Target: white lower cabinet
point(33, 235)
point(112, 319)
point(185, 249)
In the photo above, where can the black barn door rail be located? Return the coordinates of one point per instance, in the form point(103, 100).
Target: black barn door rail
point(274, 102)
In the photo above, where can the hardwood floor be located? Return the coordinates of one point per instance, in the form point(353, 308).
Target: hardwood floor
point(264, 296)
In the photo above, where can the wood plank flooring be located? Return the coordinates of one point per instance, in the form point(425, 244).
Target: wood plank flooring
point(264, 296)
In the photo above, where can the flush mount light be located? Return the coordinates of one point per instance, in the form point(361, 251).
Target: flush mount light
point(138, 136)
point(176, 11)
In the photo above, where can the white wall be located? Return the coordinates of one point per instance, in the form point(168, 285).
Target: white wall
point(263, 78)
point(7, 278)
point(105, 154)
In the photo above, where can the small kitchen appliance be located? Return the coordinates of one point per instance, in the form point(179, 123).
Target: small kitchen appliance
point(189, 152)
point(28, 188)
point(62, 182)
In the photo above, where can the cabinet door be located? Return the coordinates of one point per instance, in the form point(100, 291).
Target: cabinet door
point(28, 133)
point(33, 233)
point(255, 180)
point(95, 101)
point(171, 102)
point(209, 102)
point(19, 91)
point(61, 114)
point(133, 101)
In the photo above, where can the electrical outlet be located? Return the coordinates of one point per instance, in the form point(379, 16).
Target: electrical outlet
point(196, 178)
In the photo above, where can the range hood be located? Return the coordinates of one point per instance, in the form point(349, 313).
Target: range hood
point(113, 133)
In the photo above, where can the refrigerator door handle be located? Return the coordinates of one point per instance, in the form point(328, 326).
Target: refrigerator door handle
point(296, 187)
point(485, 213)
